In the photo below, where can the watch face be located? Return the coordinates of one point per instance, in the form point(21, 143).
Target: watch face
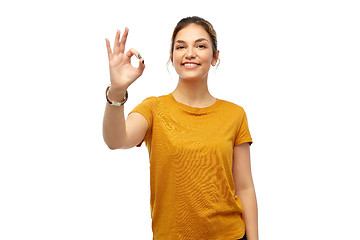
point(116, 104)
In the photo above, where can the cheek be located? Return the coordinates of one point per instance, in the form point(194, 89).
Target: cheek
point(177, 59)
point(207, 56)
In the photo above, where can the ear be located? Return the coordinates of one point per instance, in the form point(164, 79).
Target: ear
point(215, 59)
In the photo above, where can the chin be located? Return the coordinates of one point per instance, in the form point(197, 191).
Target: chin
point(192, 78)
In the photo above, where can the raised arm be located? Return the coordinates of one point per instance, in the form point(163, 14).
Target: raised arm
point(118, 132)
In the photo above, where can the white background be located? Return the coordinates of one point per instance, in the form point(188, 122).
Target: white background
point(292, 65)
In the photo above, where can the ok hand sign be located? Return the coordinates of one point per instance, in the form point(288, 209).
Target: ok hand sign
point(122, 73)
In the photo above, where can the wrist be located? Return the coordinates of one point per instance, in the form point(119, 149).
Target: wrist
point(117, 95)
point(116, 87)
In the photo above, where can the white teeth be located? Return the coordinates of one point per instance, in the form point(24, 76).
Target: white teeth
point(190, 64)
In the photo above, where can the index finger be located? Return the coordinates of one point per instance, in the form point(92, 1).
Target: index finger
point(123, 40)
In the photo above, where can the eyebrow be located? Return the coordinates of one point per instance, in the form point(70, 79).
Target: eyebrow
point(196, 41)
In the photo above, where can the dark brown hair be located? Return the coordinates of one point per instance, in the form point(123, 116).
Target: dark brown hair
point(199, 21)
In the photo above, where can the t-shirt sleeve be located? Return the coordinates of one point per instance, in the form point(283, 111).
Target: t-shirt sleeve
point(243, 132)
point(145, 108)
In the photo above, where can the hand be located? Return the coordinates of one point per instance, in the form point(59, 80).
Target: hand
point(122, 73)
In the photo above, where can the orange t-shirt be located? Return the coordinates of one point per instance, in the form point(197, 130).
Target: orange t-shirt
point(191, 158)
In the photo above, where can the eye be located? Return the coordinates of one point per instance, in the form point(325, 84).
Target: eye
point(202, 46)
point(180, 47)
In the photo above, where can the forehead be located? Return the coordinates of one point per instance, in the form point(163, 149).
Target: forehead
point(192, 32)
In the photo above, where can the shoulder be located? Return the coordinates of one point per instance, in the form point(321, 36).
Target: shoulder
point(232, 107)
point(155, 98)
point(153, 101)
point(150, 99)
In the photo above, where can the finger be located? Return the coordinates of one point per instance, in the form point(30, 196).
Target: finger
point(141, 66)
point(133, 52)
point(123, 40)
point(108, 47)
point(116, 43)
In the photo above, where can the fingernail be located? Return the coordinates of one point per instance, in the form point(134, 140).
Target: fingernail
point(143, 62)
point(139, 56)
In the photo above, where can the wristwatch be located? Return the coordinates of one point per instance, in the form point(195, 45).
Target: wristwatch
point(115, 103)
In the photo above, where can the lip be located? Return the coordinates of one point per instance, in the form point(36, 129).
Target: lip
point(190, 65)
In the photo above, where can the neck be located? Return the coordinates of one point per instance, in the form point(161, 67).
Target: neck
point(193, 93)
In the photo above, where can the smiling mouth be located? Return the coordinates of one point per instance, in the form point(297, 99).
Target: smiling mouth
point(190, 65)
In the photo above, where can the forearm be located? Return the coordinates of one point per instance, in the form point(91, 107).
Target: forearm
point(248, 200)
point(114, 127)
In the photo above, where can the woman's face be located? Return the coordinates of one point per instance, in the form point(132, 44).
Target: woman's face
point(193, 53)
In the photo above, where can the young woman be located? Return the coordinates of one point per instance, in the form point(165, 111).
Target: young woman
point(199, 146)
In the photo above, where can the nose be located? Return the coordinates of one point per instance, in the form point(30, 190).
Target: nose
point(190, 53)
